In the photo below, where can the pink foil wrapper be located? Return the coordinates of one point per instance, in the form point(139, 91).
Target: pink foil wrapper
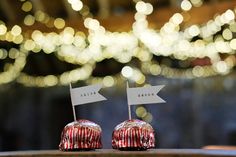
point(81, 135)
point(133, 135)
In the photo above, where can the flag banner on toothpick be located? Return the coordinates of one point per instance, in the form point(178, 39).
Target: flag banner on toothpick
point(144, 95)
point(86, 94)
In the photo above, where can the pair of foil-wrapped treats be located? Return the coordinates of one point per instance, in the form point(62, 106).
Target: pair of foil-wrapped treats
point(86, 135)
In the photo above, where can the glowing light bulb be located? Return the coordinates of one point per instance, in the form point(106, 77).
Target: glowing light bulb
point(27, 6)
point(227, 34)
point(141, 6)
point(232, 44)
point(149, 9)
point(108, 81)
point(222, 67)
point(29, 45)
point(197, 3)
point(186, 5)
point(72, 1)
point(16, 30)
point(91, 24)
point(59, 23)
point(177, 18)
point(77, 6)
point(141, 112)
point(229, 15)
point(29, 20)
point(194, 30)
point(127, 71)
point(3, 29)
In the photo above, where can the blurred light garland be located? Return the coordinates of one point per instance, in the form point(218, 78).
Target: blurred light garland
point(13, 70)
point(65, 78)
point(141, 42)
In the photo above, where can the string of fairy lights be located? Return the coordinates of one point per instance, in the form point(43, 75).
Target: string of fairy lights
point(142, 42)
point(215, 37)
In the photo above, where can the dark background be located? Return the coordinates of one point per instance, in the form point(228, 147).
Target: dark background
point(198, 112)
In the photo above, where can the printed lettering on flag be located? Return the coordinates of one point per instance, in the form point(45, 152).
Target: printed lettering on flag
point(86, 94)
point(144, 95)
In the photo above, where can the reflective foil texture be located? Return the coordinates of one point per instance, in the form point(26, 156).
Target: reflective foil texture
point(133, 135)
point(81, 135)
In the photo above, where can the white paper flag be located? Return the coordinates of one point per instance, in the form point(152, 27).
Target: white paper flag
point(87, 94)
point(144, 95)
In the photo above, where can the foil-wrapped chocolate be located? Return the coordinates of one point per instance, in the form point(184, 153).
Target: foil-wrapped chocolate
point(133, 135)
point(81, 135)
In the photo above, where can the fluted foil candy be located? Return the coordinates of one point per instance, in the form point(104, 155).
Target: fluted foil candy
point(81, 135)
point(133, 135)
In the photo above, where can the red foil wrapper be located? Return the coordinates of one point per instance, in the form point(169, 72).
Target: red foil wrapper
point(133, 135)
point(81, 135)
